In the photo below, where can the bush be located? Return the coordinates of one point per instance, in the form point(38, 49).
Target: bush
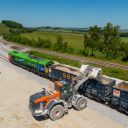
point(83, 52)
point(124, 34)
point(125, 59)
point(44, 43)
point(17, 38)
point(14, 31)
point(70, 50)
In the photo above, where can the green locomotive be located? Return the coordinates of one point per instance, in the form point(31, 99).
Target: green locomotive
point(42, 67)
point(32, 63)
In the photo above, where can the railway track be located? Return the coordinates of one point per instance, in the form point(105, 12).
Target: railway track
point(86, 60)
point(4, 58)
point(3, 51)
point(77, 58)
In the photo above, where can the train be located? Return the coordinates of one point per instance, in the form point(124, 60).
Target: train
point(103, 89)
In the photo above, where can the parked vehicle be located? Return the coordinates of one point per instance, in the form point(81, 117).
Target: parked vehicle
point(56, 103)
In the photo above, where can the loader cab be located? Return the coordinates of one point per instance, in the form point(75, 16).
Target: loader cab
point(63, 88)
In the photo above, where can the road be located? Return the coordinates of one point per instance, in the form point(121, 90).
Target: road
point(73, 57)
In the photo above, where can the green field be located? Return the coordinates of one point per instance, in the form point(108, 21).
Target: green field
point(125, 39)
point(3, 29)
point(74, 40)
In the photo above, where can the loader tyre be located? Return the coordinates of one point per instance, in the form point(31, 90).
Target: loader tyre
point(81, 104)
point(56, 112)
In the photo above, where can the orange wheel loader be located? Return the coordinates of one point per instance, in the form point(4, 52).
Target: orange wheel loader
point(55, 104)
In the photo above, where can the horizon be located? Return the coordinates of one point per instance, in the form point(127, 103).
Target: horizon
point(60, 26)
point(65, 13)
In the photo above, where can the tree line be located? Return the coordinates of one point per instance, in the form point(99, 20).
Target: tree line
point(12, 24)
point(107, 41)
point(59, 45)
point(17, 28)
point(42, 43)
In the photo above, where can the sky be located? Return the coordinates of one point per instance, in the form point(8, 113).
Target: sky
point(65, 13)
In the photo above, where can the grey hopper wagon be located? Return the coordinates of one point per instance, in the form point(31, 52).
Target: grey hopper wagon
point(64, 72)
point(98, 87)
point(120, 97)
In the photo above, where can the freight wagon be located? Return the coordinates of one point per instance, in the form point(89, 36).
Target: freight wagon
point(99, 89)
point(64, 72)
point(104, 90)
point(119, 98)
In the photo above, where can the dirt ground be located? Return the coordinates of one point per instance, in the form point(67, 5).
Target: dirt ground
point(16, 85)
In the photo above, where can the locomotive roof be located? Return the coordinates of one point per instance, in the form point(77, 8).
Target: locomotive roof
point(30, 57)
point(122, 86)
